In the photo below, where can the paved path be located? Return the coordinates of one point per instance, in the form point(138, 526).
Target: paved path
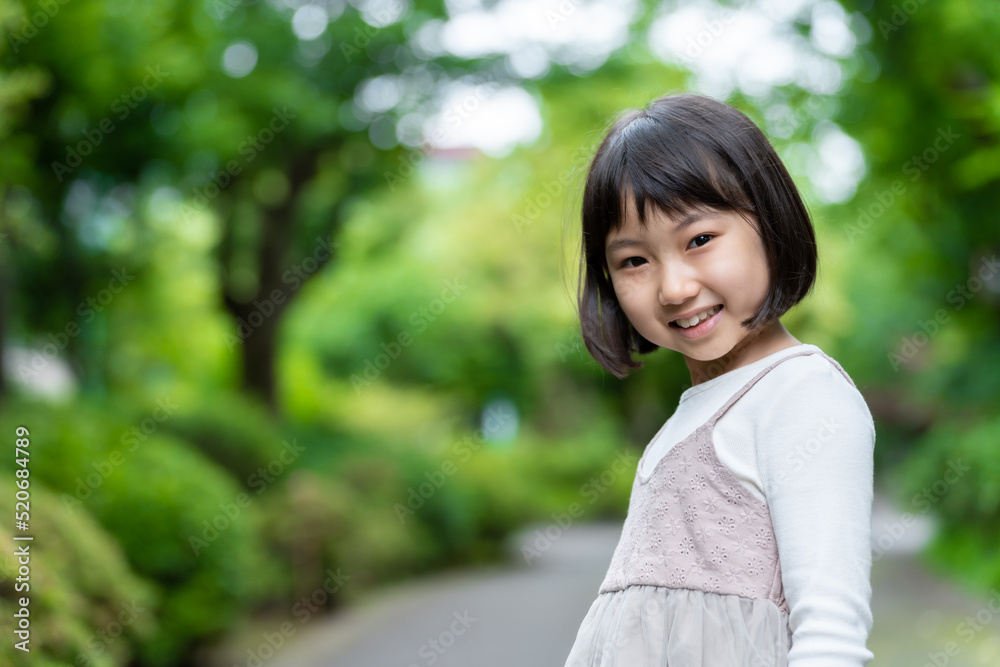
point(523, 614)
point(528, 614)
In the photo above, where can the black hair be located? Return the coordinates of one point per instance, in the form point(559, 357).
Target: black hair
point(687, 152)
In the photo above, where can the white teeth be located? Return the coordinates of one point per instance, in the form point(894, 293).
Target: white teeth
point(691, 321)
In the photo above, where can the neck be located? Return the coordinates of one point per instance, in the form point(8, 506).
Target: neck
point(753, 347)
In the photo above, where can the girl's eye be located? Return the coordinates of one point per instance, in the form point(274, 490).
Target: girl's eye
point(702, 236)
point(626, 265)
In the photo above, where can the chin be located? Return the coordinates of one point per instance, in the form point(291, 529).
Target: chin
point(707, 350)
point(710, 354)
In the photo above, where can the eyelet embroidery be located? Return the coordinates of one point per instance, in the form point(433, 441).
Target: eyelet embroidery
point(692, 525)
point(762, 538)
point(655, 540)
point(719, 555)
point(690, 514)
point(667, 541)
point(698, 483)
point(677, 577)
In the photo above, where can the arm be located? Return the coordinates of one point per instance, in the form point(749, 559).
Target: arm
point(815, 458)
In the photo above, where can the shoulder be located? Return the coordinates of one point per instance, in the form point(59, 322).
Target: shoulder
point(816, 383)
point(811, 397)
point(814, 426)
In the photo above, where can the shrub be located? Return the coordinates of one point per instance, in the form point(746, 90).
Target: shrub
point(954, 473)
point(86, 606)
point(158, 499)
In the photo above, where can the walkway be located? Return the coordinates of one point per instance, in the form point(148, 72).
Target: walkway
point(528, 614)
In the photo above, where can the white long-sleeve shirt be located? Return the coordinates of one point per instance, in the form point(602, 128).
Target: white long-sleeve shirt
point(802, 440)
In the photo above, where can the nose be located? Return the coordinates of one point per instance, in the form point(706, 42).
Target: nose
point(677, 284)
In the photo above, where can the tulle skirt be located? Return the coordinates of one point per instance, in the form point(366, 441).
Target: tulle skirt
point(655, 626)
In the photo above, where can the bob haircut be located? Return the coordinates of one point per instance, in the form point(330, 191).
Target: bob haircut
point(682, 153)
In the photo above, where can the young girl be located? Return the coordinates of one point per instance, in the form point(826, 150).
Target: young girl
point(747, 540)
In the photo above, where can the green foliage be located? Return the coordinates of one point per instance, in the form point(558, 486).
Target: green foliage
point(232, 430)
point(954, 474)
point(158, 500)
point(350, 512)
point(472, 259)
point(87, 606)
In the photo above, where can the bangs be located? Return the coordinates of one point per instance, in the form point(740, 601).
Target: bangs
point(686, 153)
point(696, 175)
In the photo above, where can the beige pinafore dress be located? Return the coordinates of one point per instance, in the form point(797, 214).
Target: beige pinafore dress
point(695, 579)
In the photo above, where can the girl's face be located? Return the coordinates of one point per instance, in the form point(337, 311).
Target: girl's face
point(680, 269)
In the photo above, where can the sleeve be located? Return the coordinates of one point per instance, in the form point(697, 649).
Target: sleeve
point(816, 462)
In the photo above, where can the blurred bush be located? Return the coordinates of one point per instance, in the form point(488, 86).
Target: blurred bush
point(953, 474)
point(152, 518)
point(87, 606)
point(157, 501)
point(232, 430)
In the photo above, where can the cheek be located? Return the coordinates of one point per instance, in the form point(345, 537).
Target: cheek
point(757, 273)
point(631, 298)
point(747, 273)
point(626, 290)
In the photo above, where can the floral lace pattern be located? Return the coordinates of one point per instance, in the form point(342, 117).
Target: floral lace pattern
point(691, 524)
point(704, 534)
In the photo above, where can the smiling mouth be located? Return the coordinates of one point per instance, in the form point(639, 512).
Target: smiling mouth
point(698, 319)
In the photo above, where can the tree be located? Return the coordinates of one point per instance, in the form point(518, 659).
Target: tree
point(262, 120)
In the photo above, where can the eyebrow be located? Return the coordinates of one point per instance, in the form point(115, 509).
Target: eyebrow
point(685, 221)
